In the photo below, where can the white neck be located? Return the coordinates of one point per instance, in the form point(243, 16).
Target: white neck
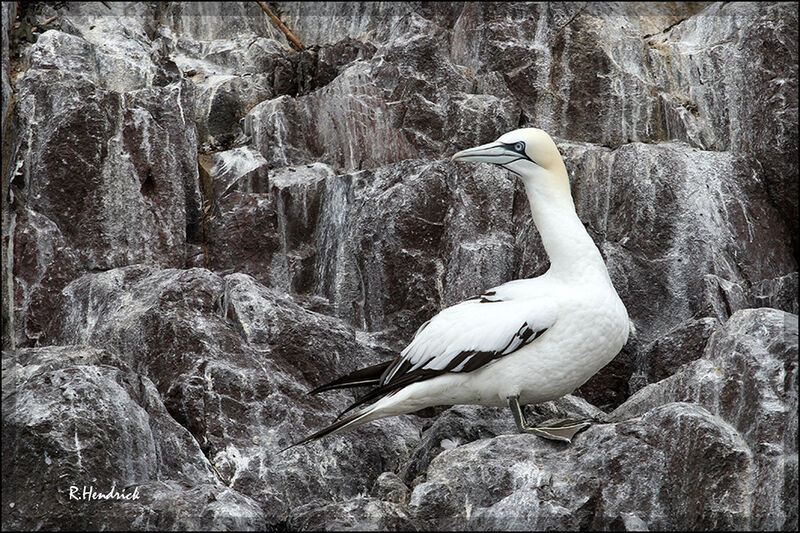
point(572, 252)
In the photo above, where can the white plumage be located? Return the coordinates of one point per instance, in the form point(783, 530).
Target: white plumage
point(480, 325)
point(523, 342)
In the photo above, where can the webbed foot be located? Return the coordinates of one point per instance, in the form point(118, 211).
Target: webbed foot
point(560, 430)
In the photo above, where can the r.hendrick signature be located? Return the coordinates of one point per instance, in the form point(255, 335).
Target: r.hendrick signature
point(89, 493)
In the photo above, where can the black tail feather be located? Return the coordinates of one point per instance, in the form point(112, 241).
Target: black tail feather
point(365, 376)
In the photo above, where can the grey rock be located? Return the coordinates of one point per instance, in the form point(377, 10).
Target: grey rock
point(116, 41)
point(233, 361)
point(397, 271)
point(233, 245)
point(169, 505)
point(360, 514)
point(779, 293)
point(748, 378)
point(682, 345)
point(238, 170)
point(284, 206)
point(457, 425)
point(541, 53)
point(391, 97)
point(230, 77)
point(76, 417)
point(103, 172)
point(330, 22)
point(722, 297)
point(675, 465)
point(297, 193)
point(745, 99)
point(7, 14)
point(209, 21)
point(234, 74)
point(463, 424)
point(390, 488)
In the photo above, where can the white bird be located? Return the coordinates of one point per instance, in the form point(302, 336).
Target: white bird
point(524, 342)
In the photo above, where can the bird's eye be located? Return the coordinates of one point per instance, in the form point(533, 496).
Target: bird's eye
point(519, 147)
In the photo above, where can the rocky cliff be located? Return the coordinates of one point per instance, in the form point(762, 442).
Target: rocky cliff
point(201, 222)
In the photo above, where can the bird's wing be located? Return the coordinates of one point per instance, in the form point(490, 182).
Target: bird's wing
point(467, 336)
point(518, 289)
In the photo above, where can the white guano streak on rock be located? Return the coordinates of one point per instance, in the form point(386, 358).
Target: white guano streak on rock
point(180, 105)
point(240, 161)
point(281, 134)
point(238, 461)
point(75, 424)
point(141, 121)
point(213, 83)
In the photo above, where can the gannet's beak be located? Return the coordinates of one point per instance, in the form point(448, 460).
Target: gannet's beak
point(493, 152)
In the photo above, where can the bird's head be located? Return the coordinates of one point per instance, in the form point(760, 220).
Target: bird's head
point(530, 153)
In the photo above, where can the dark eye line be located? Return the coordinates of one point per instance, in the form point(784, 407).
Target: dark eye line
point(521, 151)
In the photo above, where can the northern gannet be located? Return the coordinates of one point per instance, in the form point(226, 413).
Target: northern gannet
point(523, 342)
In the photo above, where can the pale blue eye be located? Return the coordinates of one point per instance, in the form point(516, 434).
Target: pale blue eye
point(519, 147)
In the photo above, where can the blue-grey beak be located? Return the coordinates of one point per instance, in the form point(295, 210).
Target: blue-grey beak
point(494, 152)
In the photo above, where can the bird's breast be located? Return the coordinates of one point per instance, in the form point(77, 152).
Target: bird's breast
point(590, 331)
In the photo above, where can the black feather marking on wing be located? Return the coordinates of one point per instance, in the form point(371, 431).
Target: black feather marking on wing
point(455, 361)
point(364, 376)
point(483, 296)
point(478, 360)
point(402, 366)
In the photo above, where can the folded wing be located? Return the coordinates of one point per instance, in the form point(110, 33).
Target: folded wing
point(469, 335)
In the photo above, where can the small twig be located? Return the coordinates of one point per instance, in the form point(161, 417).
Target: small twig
point(41, 26)
point(218, 474)
point(280, 25)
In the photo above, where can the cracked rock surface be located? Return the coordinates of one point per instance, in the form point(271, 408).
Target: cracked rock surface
point(200, 223)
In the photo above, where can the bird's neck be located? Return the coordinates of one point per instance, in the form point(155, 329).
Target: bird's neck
point(572, 253)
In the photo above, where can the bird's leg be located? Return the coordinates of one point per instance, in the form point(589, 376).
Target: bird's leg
point(563, 430)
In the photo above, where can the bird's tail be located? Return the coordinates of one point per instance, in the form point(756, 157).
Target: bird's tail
point(356, 419)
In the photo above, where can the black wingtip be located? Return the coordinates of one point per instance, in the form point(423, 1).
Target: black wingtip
point(339, 424)
point(298, 443)
point(362, 377)
point(303, 441)
point(339, 384)
point(321, 388)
